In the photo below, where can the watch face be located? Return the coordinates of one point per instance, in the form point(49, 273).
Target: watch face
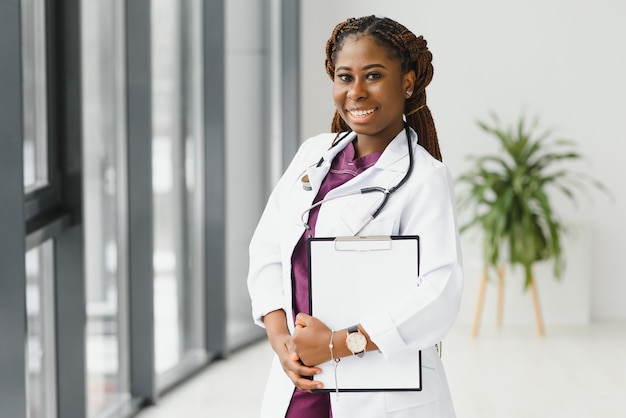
point(356, 342)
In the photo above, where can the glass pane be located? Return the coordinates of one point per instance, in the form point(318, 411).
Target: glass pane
point(40, 354)
point(176, 165)
point(34, 94)
point(104, 190)
point(194, 170)
point(245, 189)
point(167, 188)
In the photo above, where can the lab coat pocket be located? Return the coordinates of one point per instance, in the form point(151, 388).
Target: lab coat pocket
point(430, 391)
point(434, 385)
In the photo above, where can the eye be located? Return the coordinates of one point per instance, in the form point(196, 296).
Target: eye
point(373, 76)
point(344, 77)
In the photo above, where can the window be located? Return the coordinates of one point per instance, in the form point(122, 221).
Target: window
point(39, 264)
point(105, 206)
point(40, 353)
point(34, 94)
point(177, 169)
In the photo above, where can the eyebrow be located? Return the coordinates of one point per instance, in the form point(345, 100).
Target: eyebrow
point(367, 67)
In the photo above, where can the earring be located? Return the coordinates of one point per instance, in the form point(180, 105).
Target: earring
point(409, 93)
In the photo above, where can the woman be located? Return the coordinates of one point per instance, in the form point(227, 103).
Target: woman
point(383, 136)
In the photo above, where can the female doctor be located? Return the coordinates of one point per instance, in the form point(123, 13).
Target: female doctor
point(378, 173)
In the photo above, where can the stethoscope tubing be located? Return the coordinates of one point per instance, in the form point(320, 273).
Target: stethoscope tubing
point(386, 192)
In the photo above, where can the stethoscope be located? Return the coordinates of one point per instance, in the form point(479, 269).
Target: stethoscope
point(386, 192)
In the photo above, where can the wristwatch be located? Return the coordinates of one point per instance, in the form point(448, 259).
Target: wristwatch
point(356, 341)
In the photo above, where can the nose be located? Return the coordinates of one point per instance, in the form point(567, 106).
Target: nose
point(357, 90)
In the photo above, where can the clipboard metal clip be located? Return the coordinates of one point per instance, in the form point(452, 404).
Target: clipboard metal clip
point(368, 243)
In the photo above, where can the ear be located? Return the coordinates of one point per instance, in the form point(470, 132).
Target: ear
point(408, 81)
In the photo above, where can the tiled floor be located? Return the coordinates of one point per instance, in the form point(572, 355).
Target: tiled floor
point(574, 372)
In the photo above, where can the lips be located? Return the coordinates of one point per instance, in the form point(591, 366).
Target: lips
point(361, 113)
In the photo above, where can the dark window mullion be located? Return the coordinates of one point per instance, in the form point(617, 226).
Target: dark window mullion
point(12, 268)
point(48, 197)
point(52, 227)
point(140, 235)
point(290, 41)
point(215, 176)
point(65, 135)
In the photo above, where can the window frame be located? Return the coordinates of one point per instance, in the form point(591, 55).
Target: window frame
point(41, 203)
point(12, 266)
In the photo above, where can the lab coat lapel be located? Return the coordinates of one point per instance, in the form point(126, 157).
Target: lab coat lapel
point(394, 158)
point(386, 173)
point(317, 174)
point(388, 170)
point(301, 199)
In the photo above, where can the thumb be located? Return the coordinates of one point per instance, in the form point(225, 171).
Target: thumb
point(302, 319)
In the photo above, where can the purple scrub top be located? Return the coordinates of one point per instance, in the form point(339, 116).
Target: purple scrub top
point(344, 168)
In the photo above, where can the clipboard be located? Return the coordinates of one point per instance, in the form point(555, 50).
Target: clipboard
point(351, 277)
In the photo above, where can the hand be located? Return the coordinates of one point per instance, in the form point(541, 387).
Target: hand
point(300, 374)
point(282, 344)
point(311, 339)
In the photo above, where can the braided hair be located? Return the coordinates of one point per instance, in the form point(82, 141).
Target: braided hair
point(412, 53)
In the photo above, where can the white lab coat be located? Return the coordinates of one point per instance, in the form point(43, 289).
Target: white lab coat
point(424, 206)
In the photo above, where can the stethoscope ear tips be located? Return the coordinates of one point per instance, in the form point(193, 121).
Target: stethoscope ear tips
point(306, 184)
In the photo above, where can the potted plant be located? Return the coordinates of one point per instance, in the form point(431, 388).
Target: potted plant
point(509, 194)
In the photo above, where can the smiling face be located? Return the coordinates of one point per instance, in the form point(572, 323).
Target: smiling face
point(369, 90)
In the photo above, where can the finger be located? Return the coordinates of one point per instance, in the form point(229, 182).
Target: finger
point(306, 372)
point(303, 319)
point(308, 385)
point(292, 363)
point(304, 383)
point(300, 319)
point(302, 376)
point(295, 365)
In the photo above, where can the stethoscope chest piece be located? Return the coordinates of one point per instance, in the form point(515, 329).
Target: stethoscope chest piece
point(306, 184)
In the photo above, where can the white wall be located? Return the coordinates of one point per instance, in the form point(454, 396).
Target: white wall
point(564, 61)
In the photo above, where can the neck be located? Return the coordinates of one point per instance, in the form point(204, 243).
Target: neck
point(365, 144)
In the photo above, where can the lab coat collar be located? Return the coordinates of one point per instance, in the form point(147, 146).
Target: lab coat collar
point(316, 174)
point(391, 159)
point(395, 153)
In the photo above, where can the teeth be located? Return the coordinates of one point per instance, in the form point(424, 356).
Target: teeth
point(361, 113)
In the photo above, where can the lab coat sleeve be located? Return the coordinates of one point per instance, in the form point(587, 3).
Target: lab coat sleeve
point(265, 268)
point(422, 318)
point(266, 263)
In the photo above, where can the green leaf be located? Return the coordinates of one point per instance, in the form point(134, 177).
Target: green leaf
point(507, 194)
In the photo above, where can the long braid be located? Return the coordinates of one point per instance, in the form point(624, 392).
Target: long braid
point(413, 54)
